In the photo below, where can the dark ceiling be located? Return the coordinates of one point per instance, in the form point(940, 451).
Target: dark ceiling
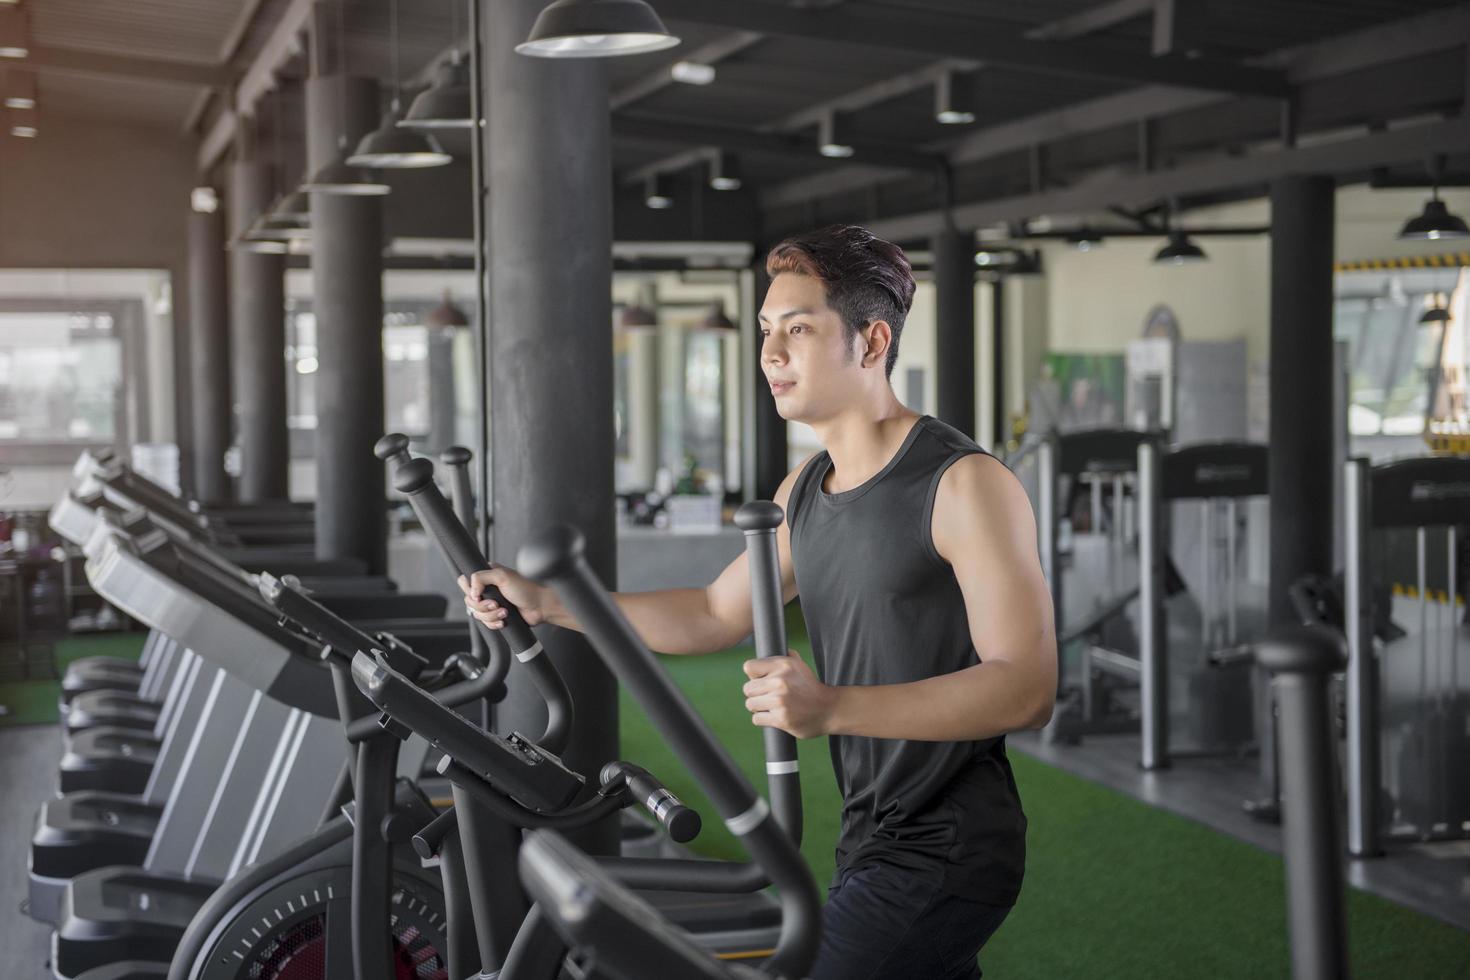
point(1081, 104)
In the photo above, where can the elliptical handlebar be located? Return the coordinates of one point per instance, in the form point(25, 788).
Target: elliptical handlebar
point(557, 557)
point(415, 479)
point(760, 520)
point(462, 493)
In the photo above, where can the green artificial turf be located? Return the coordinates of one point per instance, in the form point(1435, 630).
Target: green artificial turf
point(1113, 888)
point(34, 702)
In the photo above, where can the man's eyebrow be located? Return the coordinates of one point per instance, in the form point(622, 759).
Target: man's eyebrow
point(799, 311)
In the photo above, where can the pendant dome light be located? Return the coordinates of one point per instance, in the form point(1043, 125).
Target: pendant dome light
point(446, 104)
point(596, 29)
point(447, 315)
point(337, 176)
point(1435, 222)
point(15, 31)
point(390, 147)
point(717, 321)
point(1180, 250)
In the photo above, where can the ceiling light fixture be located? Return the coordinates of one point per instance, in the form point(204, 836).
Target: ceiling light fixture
point(834, 138)
point(1084, 239)
point(717, 320)
point(447, 315)
point(20, 89)
point(15, 33)
point(724, 171)
point(954, 98)
point(1180, 250)
point(1434, 223)
point(596, 29)
point(658, 192)
point(446, 103)
point(390, 147)
point(337, 176)
point(692, 73)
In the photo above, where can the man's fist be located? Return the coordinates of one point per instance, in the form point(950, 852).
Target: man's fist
point(784, 693)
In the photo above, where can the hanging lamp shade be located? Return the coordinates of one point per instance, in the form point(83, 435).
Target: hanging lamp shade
point(15, 33)
point(637, 318)
point(1180, 250)
point(293, 208)
point(444, 104)
point(1433, 223)
point(1084, 239)
point(339, 178)
point(390, 147)
point(717, 320)
point(596, 29)
point(447, 315)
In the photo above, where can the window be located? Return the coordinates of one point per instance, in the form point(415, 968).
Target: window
point(60, 377)
point(1396, 362)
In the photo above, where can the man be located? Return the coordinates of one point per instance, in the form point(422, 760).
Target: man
point(914, 553)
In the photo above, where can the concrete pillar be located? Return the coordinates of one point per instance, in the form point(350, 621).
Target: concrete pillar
point(771, 463)
point(643, 415)
point(441, 388)
point(550, 351)
point(954, 341)
point(347, 291)
point(1301, 436)
point(257, 343)
point(209, 354)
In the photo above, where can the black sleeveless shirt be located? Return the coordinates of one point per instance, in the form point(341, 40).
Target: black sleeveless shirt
point(882, 607)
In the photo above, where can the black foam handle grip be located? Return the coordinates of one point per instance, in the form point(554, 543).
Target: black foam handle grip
point(680, 822)
point(415, 479)
point(760, 520)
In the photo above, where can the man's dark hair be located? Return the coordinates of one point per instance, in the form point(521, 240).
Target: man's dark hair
point(865, 277)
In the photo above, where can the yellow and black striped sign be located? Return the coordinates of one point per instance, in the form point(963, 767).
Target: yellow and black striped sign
point(1448, 260)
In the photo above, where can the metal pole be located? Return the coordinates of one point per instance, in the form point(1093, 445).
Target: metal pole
point(209, 354)
point(482, 283)
point(1362, 693)
point(1300, 661)
point(998, 365)
point(1153, 673)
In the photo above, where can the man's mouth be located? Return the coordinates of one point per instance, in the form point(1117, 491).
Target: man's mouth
point(781, 387)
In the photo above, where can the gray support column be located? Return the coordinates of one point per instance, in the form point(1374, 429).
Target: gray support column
point(209, 354)
point(1301, 438)
point(257, 344)
point(771, 464)
point(643, 401)
point(954, 341)
point(347, 297)
point(550, 345)
point(441, 388)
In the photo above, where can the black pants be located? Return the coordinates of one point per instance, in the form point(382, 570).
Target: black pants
point(881, 923)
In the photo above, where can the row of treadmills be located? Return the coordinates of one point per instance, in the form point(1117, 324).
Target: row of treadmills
point(221, 747)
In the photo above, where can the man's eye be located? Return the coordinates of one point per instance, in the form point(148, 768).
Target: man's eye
point(798, 328)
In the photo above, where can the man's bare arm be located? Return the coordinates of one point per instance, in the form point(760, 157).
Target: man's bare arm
point(669, 620)
point(984, 528)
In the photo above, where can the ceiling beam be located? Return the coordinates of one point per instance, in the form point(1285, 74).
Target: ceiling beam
point(1349, 157)
point(1315, 62)
point(956, 37)
point(684, 132)
point(77, 62)
point(656, 81)
point(1091, 21)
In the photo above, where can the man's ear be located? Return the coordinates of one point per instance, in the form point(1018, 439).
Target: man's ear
point(877, 338)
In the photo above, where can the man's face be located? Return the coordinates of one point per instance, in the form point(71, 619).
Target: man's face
point(813, 371)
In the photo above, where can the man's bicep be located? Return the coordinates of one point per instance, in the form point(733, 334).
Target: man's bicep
point(728, 597)
point(984, 527)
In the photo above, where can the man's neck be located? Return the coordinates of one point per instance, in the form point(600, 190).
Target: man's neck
point(861, 440)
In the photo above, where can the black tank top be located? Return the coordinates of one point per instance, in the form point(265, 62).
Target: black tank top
point(882, 607)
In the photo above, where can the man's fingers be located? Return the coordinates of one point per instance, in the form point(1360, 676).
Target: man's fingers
point(757, 668)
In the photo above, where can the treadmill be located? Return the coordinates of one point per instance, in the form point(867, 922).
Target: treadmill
point(270, 735)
